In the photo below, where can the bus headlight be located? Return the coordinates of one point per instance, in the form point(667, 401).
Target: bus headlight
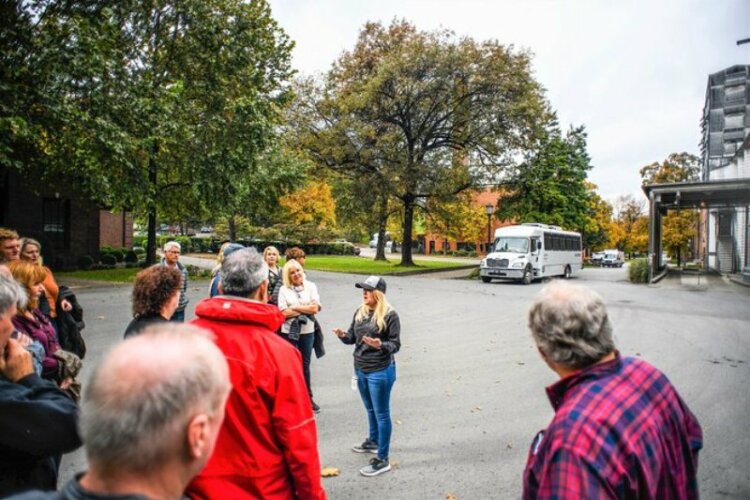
point(518, 264)
point(483, 263)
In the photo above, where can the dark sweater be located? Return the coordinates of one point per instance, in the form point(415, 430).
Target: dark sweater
point(140, 323)
point(38, 422)
point(369, 359)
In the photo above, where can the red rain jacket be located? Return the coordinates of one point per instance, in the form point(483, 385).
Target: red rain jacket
point(268, 445)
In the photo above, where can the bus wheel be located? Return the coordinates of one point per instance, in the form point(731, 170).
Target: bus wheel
point(526, 279)
point(568, 272)
point(485, 279)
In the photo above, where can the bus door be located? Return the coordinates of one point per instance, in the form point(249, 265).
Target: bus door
point(535, 251)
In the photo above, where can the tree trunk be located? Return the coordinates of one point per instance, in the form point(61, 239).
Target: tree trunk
point(406, 259)
point(151, 237)
point(232, 226)
point(382, 222)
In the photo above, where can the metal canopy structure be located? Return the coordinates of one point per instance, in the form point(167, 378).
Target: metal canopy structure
point(665, 197)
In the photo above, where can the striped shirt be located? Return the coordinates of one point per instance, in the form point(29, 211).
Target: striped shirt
point(620, 430)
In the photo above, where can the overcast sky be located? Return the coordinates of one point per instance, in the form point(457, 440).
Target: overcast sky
point(633, 72)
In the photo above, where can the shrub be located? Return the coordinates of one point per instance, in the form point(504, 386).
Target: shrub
point(638, 271)
point(197, 272)
point(85, 262)
point(119, 255)
point(131, 257)
point(109, 259)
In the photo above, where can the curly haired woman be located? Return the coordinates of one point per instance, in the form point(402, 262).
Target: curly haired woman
point(156, 295)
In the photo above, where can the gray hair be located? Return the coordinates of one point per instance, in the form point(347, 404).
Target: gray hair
point(143, 394)
point(11, 294)
point(242, 272)
point(172, 244)
point(569, 324)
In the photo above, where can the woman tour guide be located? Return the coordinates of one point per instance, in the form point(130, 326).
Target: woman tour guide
point(376, 333)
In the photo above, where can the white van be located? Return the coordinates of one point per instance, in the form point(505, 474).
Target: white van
point(531, 251)
point(613, 258)
point(388, 242)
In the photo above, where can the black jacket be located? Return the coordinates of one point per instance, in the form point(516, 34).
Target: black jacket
point(38, 422)
point(369, 359)
point(70, 323)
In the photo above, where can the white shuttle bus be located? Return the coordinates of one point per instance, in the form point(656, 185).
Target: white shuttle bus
point(531, 251)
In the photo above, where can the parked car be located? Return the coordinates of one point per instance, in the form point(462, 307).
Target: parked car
point(664, 259)
point(613, 258)
point(342, 241)
point(389, 246)
point(596, 258)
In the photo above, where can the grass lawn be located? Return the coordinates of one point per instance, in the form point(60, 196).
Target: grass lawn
point(360, 265)
point(334, 263)
point(119, 275)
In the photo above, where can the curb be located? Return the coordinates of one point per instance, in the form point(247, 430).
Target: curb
point(438, 270)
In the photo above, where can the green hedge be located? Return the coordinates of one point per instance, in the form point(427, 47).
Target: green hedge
point(638, 271)
point(212, 245)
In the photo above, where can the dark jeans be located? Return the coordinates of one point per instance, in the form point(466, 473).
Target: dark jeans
point(375, 390)
point(178, 316)
point(305, 346)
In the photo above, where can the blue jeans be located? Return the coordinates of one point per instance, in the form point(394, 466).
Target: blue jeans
point(375, 390)
point(178, 316)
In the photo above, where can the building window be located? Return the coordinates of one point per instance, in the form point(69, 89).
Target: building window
point(734, 121)
point(734, 95)
point(56, 222)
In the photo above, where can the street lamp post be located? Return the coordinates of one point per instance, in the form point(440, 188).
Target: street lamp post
point(490, 209)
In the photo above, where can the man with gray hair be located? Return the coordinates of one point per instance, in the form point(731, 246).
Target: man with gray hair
point(150, 416)
point(620, 428)
point(268, 446)
point(37, 420)
point(171, 259)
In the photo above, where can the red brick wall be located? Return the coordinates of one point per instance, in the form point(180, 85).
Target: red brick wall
point(21, 208)
point(115, 229)
point(481, 198)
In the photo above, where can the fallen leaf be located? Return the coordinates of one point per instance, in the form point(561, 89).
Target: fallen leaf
point(510, 446)
point(100, 317)
point(330, 472)
point(398, 422)
point(450, 496)
point(521, 363)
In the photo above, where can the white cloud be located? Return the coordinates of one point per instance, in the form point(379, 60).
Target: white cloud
point(633, 71)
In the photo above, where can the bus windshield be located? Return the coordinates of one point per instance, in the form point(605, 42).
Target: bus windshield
point(513, 245)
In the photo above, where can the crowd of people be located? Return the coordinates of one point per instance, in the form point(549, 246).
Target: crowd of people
point(223, 407)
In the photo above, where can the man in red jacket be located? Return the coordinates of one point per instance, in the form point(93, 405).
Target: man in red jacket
point(268, 445)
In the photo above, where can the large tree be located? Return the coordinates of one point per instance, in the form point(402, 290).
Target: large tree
point(551, 186)
point(628, 210)
point(680, 226)
point(423, 114)
point(156, 101)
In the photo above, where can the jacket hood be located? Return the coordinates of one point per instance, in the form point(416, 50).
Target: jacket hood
point(237, 309)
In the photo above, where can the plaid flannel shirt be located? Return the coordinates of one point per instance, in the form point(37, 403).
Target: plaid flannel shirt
point(620, 430)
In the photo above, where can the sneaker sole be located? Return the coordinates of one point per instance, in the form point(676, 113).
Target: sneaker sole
point(375, 472)
point(364, 450)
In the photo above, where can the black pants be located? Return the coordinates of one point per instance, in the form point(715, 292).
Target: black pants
point(305, 346)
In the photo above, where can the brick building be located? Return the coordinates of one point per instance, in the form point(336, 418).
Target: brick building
point(431, 243)
point(67, 225)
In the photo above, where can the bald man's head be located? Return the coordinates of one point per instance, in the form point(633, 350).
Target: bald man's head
point(143, 395)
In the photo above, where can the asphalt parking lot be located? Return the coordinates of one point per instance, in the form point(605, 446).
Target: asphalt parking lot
point(470, 390)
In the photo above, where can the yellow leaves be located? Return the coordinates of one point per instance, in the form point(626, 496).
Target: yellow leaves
point(311, 204)
point(330, 472)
